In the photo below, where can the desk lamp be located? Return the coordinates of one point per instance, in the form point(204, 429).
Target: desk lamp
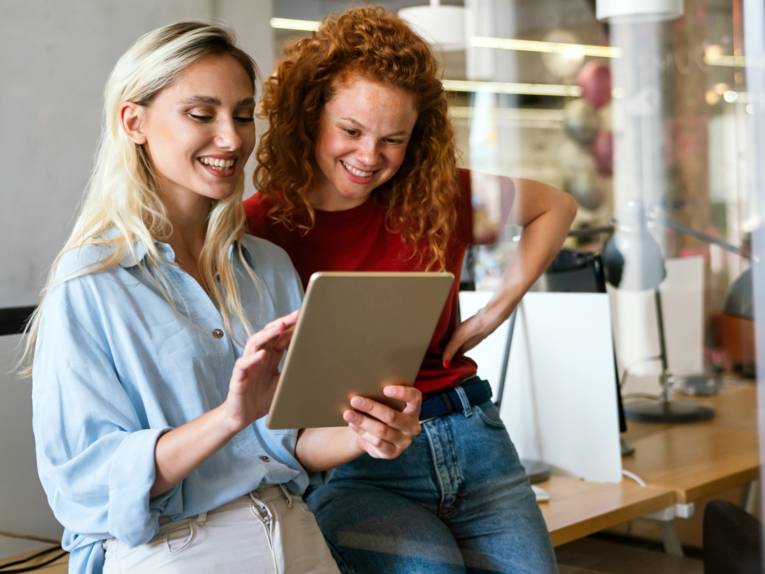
point(633, 262)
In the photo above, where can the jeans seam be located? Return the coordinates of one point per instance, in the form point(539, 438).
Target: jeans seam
point(442, 489)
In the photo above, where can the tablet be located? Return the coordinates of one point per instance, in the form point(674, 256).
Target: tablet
point(356, 333)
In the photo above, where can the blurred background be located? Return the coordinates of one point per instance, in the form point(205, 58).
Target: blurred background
point(650, 114)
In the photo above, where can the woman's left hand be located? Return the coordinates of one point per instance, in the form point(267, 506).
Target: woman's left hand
point(382, 431)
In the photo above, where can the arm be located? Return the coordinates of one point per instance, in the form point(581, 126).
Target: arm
point(374, 428)
point(546, 215)
point(251, 389)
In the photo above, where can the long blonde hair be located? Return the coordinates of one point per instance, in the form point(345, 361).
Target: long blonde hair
point(121, 207)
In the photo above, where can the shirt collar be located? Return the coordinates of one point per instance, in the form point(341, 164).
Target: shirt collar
point(138, 253)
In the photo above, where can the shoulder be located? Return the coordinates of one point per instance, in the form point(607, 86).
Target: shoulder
point(81, 260)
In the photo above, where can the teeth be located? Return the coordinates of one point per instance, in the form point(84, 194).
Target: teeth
point(357, 172)
point(217, 163)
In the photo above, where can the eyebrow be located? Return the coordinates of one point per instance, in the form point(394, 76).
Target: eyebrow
point(354, 122)
point(215, 101)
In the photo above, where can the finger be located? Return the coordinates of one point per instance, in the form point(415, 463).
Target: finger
point(451, 348)
point(385, 450)
point(404, 423)
point(286, 320)
point(283, 341)
point(411, 396)
point(245, 364)
point(265, 336)
point(374, 409)
point(372, 427)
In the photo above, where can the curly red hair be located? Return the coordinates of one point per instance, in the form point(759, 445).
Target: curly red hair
point(421, 198)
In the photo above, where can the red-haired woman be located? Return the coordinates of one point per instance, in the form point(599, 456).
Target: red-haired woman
point(357, 173)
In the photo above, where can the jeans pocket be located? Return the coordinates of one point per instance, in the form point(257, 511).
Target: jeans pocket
point(489, 415)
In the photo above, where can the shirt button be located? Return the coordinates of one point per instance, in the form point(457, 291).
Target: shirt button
point(217, 333)
point(264, 458)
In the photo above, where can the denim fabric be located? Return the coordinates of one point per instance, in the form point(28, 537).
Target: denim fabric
point(456, 501)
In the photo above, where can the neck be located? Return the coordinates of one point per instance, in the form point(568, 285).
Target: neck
point(188, 217)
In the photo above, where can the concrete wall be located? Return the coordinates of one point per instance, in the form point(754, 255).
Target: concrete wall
point(54, 60)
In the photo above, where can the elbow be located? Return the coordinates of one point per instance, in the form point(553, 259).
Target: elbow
point(566, 206)
point(569, 208)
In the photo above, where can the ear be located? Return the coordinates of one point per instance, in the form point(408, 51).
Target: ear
point(132, 117)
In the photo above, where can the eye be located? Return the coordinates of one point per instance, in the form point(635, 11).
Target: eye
point(200, 117)
point(353, 132)
point(244, 119)
point(393, 141)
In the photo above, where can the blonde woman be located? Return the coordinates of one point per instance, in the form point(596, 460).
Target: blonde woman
point(157, 342)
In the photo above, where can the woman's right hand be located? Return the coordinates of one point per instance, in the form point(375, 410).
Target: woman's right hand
point(256, 372)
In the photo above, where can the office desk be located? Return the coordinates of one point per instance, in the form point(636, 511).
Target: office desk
point(577, 508)
point(699, 459)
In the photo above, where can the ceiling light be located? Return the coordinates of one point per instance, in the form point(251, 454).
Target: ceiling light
point(293, 24)
point(563, 48)
point(442, 26)
point(638, 10)
point(512, 88)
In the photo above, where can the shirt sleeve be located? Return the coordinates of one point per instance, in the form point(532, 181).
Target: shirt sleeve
point(95, 457)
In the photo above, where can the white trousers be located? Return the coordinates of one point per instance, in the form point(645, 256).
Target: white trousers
point(268, 531)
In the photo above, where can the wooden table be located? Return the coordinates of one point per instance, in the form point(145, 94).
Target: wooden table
point(681, 463)
point(578, 508)
point(699, 459)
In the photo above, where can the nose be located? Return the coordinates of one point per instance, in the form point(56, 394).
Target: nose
point(227, 136)
point(367, 153)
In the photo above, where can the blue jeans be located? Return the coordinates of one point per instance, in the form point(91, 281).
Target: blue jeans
point(456, 501)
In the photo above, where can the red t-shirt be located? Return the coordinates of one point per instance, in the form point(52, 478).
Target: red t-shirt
point(357, 240)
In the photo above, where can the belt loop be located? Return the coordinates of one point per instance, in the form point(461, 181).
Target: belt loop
point(467, 410)
point(286, 494)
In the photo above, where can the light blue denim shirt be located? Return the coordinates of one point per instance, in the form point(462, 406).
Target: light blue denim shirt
point(116, 366)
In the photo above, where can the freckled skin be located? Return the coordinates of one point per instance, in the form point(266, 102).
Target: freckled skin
point(365, 126)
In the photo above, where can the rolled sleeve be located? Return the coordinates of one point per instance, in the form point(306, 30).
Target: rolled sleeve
point(131, 517)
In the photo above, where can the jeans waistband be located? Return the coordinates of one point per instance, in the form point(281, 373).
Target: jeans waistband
point(448, 401)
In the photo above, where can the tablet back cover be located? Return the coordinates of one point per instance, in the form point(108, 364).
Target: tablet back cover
point(356, 333)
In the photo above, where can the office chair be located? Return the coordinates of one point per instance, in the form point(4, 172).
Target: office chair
point(731, 540)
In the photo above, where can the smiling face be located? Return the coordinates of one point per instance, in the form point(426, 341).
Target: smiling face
point(361, 142)
point(199, 131)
